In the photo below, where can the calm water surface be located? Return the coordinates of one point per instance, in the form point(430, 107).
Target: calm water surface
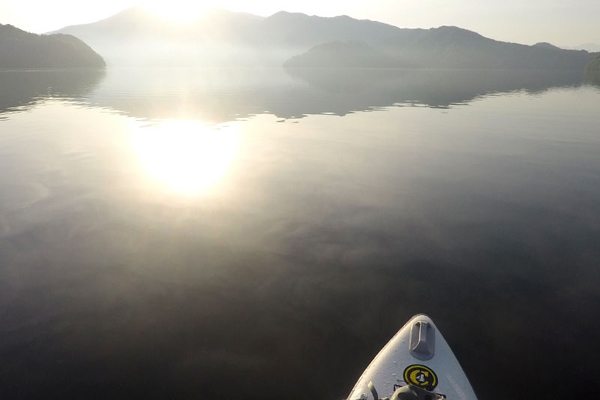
point(261, 234)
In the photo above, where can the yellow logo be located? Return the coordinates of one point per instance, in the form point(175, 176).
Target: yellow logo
point(420, 376)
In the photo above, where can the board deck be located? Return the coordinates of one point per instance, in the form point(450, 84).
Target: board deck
point(417, 355)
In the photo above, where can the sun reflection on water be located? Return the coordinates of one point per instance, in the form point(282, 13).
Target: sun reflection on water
point(189, 157)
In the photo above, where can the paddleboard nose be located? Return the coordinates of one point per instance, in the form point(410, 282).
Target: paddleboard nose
point(416, 363)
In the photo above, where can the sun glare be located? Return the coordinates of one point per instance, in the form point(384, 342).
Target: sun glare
point(178, 10)
point(187, 156)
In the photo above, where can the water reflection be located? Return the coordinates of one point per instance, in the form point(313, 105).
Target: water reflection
point(331, 233)
point(221, 95)
point(592, 78)
point(187, 156)
point(20, 90)
point(368, 88)
point(214, 95)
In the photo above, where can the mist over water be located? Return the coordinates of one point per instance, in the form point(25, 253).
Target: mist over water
point(262, 233)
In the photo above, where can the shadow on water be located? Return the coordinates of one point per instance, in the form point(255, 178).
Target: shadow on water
point(22, 89)
point(265, 325)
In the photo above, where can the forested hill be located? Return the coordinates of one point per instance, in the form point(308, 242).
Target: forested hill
point(594, 64)
point(20, 49)
point(447, 47)
point(591, 73)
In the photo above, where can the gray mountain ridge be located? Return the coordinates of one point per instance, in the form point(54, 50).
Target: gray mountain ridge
point(135, 36)
point(20, 49)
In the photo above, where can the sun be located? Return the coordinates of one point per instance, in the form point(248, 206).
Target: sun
point(186, 156)
point(178, 10)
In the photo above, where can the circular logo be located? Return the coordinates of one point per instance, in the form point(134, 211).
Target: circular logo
point(420, 376)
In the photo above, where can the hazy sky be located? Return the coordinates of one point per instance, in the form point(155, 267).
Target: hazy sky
point(562, 22)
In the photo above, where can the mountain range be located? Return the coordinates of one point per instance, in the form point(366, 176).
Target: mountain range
point(219, 38)
point(591, 47)
point(20, 49)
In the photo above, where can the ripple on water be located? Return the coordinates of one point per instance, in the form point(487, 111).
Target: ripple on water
point(20, 195)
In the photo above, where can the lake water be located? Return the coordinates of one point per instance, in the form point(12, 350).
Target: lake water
point(259, 234)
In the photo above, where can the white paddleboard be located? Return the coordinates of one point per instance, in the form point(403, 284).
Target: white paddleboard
point(416, 363)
